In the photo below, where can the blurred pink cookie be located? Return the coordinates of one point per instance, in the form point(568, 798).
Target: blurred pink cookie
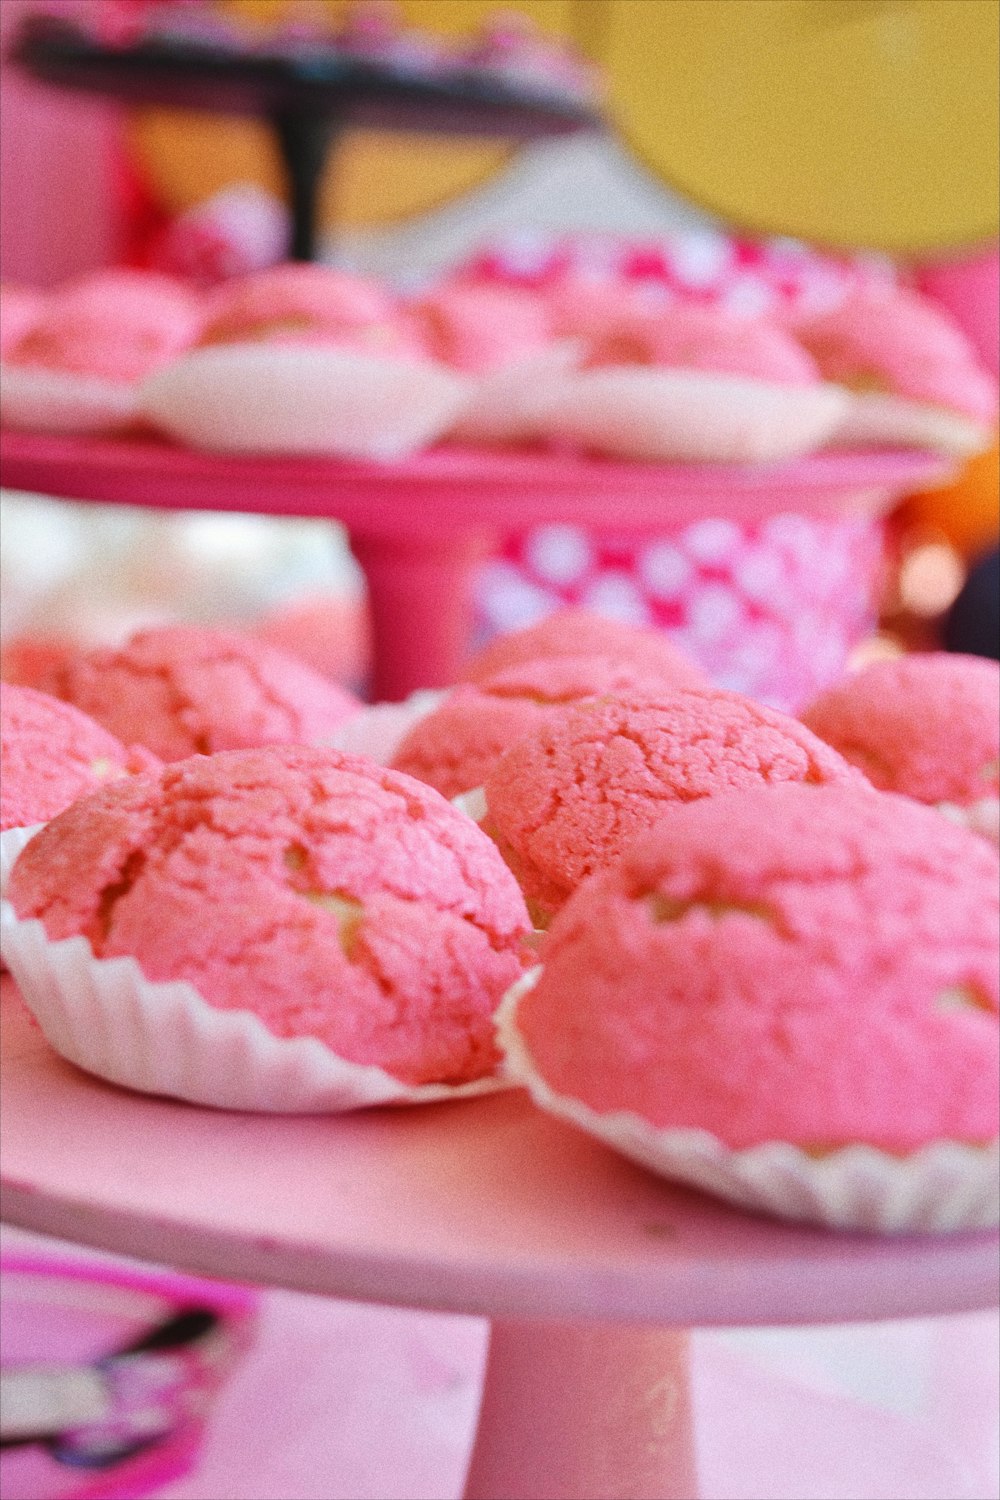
point(78, 366)
point(569, 798)
point(455, 746)
point(186, 690)
point(20, 309)
point(924, 725)
point(693, 384)
point(52, 753)
point(306, 360)
point(581, 632)
point(771, 979)
point(480, 326)
point(316, 894)
point(916, 378)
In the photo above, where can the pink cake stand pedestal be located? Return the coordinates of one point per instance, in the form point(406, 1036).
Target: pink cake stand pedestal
point(589, 1267)
point(419, 528)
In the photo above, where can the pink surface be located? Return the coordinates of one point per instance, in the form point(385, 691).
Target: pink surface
point(568, 798)
point(485, 1206)
point(330, 897)
point(927, 725)
point(801, 964)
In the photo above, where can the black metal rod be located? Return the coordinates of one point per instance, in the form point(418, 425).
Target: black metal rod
point(305, 140)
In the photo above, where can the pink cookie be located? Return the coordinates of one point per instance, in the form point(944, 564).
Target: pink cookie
point(52, 754)
point(20, 309)
point(693, 337)
point(568, 800)
point(294, 303)
point(78, 365)
point(794, 965)
point(925, 725)
point(329, 898)
point(580, 632)
point(917, 377)
point(117, 325)
point(480, 327)
point(454, 747)
point(186, 690)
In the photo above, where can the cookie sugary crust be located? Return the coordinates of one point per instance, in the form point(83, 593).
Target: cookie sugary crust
point(51, 754)
point(567, 800)
point(927, 725)
point(184, 690)
point(331, 897)
point(580, 632)
point(794, 964)
point(455, 747)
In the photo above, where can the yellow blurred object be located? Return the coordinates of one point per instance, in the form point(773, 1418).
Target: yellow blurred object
point(966, 512)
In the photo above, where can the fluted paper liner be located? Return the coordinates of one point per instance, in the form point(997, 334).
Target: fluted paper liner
point(983, 817)
point(12, 841)
point(163, 1037)
point(378, 730)
point(946, 1186)
point(41, 400)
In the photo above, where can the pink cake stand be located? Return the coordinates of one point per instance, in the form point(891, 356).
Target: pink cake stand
point(419, 528)
point(589, 1266)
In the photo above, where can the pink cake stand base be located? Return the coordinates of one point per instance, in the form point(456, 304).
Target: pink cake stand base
point(419, 528)
point(589, 1266)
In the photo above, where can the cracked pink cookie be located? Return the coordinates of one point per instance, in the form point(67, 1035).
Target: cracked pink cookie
point(78, 365)
point(53, 753)
point(185, 690)
point(580, 632)
point(311, 893)
point(568, 799)
point(926, 725)
point(789, 997)
point(454, 747)
point(915, 377)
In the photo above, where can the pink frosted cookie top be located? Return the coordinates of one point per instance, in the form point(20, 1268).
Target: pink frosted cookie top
point(119, 325)
point(891, 338)
point(579, 632)
point(51, 754)
point(332, 897)
point(296, 304)
point(568, 799)
point(478, 328)
point(20, 308)
point(454, 748)
point(184, 690)
point(799, 965)
point(694, 337)
point(927, 725)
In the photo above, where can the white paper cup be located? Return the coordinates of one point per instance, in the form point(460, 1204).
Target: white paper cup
point(164, 1038)
point(942, 1187)
point(378, 730)
point(982, 817)
point(40, 400)
point(12, 841)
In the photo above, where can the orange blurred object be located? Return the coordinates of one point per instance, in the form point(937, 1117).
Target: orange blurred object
point(966, 512)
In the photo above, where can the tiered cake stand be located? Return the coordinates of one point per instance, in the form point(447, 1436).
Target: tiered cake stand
point(418, 529)
point(589, 1267)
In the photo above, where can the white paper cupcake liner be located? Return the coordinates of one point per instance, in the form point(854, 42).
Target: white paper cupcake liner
point(12, 841)
point(943, 1187)
point(473, 804)
point(164, 1038)
point(378, 730)
point(982, 817)
point(273, 398)
point(880, 419)
point(59, 401)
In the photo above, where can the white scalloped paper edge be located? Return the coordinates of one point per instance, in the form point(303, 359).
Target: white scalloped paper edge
point(163, 1038)
point(40, 400)
point(983, 817)
point(12, 841)
point(945, 1187)
point(380, 728)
